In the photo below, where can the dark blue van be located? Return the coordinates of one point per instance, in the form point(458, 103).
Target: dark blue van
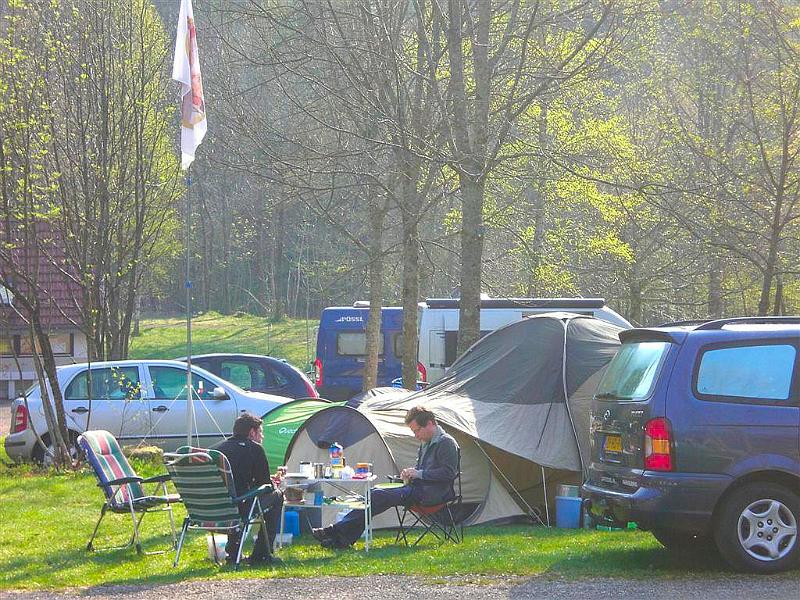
point(341, 341)
point(695, 435)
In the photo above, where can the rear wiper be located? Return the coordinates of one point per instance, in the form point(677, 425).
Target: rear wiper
point(606, 395)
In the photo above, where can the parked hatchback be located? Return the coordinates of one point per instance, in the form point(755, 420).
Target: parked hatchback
point(257, 373)
point(138, 401)
point(695, 435)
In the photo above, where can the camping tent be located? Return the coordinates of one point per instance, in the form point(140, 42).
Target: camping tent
point(516, 402)
point(282, 422)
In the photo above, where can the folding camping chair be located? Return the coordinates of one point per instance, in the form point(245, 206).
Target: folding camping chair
point(204, 480)
point(123, 488)
point(443, 520)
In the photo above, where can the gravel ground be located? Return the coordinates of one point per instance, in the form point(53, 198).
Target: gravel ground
point(391, 588)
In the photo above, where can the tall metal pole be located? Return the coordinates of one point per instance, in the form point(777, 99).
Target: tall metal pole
point(189, 398)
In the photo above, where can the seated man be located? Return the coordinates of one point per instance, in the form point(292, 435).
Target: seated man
point(250, 470)
point(429, 482)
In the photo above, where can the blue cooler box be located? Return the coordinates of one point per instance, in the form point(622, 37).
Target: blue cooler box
point(568, 512)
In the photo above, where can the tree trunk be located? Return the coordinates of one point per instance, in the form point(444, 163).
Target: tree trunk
point(536, 196)
point(410, 296)
point(280, 267)
point(715, 288)
point(46, 369)
point(472, 235)
point(377, 216)
point(778, 307)
point(635, 288)
point(772, 255)
point(137, 315)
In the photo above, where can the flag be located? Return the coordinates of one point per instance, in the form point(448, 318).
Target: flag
point(186, 71)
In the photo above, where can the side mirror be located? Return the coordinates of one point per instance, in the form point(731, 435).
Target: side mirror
point(219, 393)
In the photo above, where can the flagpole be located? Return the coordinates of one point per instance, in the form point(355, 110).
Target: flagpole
point(188, 284)
point(186, 71)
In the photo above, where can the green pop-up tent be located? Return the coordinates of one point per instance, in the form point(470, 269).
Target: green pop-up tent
point(281, 423)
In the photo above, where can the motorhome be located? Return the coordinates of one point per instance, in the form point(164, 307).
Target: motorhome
point(438, 323)
point(341, 338)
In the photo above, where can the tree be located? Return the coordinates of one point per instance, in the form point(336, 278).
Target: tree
point(112, 148)
point(29, 241)
point(734, 133)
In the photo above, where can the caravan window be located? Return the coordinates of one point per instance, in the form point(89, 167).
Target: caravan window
point(450, 345)
point(354, 343)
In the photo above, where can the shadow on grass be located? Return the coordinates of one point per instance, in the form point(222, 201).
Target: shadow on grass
point(640, 562)
point(104, 569)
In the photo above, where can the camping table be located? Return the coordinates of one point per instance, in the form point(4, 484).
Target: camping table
point(358, 490)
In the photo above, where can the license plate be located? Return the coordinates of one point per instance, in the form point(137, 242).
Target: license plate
point(613, 443)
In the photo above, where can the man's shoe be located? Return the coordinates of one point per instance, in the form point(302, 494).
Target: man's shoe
point(329, 543)
point(321, 534)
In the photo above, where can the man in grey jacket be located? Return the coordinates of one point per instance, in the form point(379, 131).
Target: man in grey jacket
point(429, 482)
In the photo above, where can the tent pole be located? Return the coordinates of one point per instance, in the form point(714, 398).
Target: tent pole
point(546, 506)
point(566, 400)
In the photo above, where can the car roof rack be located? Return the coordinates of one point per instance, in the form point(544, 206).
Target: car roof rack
point(685, 323)
point(720, 323)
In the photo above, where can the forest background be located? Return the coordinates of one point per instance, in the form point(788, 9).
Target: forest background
point(643, 151)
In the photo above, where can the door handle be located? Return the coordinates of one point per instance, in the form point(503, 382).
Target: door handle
point(80, 410)
point(161, 408)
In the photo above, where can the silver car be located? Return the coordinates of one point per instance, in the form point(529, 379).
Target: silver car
point(142, 402)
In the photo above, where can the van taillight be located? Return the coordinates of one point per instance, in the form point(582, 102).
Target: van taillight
point(658, 445)
point(423, 374)
point(318, 373)
point(20, 421)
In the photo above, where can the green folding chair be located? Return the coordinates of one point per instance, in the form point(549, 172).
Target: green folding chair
point(123, 488)
point(204, 480)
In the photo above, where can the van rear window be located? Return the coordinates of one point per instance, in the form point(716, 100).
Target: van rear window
point(632, 373)
point(354, 343)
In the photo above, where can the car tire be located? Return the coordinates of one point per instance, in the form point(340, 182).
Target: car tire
point(43, 456)
point(680, 541)
point(757, 528)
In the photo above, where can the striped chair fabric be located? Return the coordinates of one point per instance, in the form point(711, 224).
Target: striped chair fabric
point(110, 465)
point(205, 483)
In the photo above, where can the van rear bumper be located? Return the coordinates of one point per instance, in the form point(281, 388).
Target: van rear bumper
point(678, 501)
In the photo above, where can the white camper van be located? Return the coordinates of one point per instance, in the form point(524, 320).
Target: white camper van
point(438, 323)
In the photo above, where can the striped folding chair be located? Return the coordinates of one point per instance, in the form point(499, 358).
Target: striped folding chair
point(204, 480)
point(123, 488)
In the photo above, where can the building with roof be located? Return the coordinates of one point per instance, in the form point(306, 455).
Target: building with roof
point(58, 298)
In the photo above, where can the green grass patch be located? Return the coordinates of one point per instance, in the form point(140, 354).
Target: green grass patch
point(46, 520)
point(292, 339)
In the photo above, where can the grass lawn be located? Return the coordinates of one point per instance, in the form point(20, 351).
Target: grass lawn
point(46, 520)
point(292, 339)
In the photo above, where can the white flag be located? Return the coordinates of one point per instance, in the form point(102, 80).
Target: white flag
point(186, 71)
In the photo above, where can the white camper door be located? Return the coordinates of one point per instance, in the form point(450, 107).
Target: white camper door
point(436, 355)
